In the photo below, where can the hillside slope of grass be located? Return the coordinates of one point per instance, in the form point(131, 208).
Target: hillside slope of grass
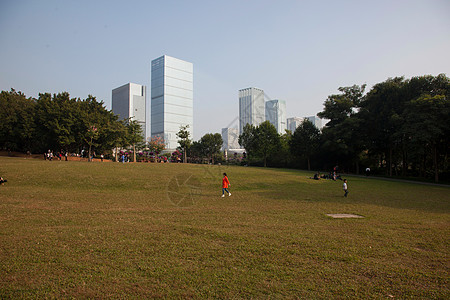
point(93, 230)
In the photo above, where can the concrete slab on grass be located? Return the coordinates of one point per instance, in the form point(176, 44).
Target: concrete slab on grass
point(342, 216)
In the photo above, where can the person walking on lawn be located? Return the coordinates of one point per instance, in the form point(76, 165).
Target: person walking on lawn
point(225, 184)
point(344, 186)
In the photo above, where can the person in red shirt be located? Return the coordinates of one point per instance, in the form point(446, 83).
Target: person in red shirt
point(225, 184)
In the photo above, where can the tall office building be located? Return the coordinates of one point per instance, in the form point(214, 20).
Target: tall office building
point(251, 107)
point(129, 101)
point(172, 101)
point(276, 114)
point(230, 137)
point(316, 121)
point(293, 123)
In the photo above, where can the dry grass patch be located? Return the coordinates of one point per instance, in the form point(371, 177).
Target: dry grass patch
point(92, 230)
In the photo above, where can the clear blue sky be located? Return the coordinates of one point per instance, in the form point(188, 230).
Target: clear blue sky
point(298, 51)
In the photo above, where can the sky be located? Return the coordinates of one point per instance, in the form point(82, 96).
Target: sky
point(297, 51)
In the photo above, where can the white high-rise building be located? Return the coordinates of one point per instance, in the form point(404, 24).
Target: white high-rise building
point(293, 123)
point(172, 101)
point(276, 114)
point(230, 137)
point(129, 101)
point(251, 107)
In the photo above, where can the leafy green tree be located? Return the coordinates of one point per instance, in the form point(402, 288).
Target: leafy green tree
point(381, 113)
point(197, 150)
point(427, 124)
point(184, 141)
point(134, 135)
point(283, 156)
point(211, 144)
point(17, 121)
point(267, 140)
point(91, 137)
point(248, 140)
point(115, 132)
point(341, 140)
point(384, 117)
point(305, 141)
point(339, 107)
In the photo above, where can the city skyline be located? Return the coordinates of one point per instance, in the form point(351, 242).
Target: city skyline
point(301, 52)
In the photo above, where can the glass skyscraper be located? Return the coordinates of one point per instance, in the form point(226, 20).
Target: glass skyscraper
point(251, 107)
point(293, 123)
point(276, 114)
point(172, 99)
point(230, 137)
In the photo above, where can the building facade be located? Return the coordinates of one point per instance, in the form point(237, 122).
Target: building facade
point(293, 123)
point(129, 101)
point(230, 137)
point(172, 98)
point(316, 121)
point(276, 114)
point(251, 107)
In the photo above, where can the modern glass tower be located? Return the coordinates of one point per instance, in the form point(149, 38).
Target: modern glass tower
point(293, 123)
point(276, 114)
point(251, 107)
point(230, 137)
point(128, 101)
point(316, 121)
point(172, 103)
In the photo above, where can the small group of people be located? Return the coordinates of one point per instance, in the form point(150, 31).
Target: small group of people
point(331, 175)
point(49, 155)
point(124, 158)
point(334, 176)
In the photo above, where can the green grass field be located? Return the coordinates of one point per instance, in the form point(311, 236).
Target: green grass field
point(112, 230)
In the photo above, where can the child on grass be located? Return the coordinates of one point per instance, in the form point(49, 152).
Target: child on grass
point(225, 184)
point(344, 186)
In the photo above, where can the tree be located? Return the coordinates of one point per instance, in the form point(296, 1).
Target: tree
point(283, 156)
point(184, 140)
point(385, 115)
point(380, 117)
point(156, 145)
point(305, 141)
point(92, 135)
point(341, 140)
point(211, 144)
point(248, 139)
point(17, 121)
point(427, 125)
point(339, 107)
point(197, 150)
point(267, 140)
point(134, 135)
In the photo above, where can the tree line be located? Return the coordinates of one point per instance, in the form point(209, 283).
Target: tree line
point(400, 127)
point(62, 124)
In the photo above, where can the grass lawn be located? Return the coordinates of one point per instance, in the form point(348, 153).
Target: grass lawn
point(113, 230)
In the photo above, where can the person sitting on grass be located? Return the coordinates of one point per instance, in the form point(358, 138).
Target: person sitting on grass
point(316, 176)
point(2, 181)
